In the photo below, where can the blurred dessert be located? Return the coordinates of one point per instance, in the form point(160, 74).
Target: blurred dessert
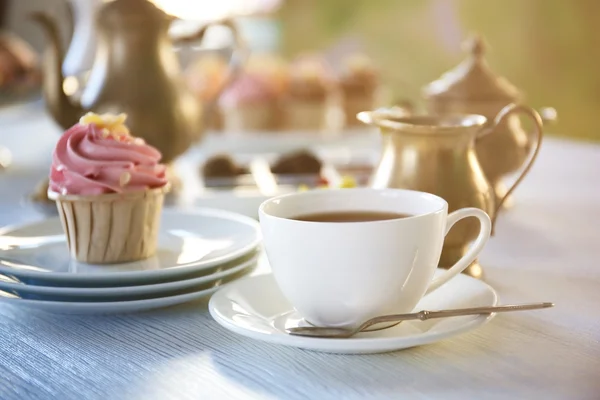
point(300, 168)
point(359, 82)
point(205, 77)
point(249, 104)
point(109, 189)
point(309, 96)
point(19, 68)
point(221, 166)
point(345, 182)
point(297, 162)
point(272, 68)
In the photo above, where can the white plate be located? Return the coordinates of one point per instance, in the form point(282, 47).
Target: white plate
point(254, 307)
point(118, 307)
point(189, 242)
point(123, 292)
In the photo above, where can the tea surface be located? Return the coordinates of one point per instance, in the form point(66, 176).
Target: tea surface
point(350, 216)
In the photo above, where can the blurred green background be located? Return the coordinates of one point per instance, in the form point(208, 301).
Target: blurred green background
point(550, 49)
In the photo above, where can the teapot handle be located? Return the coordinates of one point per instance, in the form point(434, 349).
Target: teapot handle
point(538, 133)
point(238, 57)
point(82, 46)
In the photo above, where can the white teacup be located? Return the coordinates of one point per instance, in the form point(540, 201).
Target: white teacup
point(342, 273)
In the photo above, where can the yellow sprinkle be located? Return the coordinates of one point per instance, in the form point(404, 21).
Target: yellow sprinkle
point(118, 119)
point(347, 182)
point(303, 188)
point(113, 124)
point(124, 178)
point(120, 130)
point(90, 118)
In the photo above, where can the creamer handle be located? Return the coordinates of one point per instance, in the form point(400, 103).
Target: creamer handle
point(537, 133)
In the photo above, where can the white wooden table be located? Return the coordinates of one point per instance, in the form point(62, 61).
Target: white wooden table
point(547, 248)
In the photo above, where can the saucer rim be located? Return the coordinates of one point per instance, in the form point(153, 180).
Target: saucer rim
point(138, 276)
point(364, 345)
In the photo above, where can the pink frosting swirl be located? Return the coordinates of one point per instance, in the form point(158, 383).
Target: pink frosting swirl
point(88, 161)
point(247, 89)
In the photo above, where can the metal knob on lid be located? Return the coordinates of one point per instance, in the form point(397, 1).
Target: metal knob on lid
point(472, 80)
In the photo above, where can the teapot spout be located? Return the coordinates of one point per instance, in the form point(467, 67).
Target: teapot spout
point(64, 111)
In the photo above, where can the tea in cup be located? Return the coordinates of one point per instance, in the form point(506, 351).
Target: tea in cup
point(343, 256)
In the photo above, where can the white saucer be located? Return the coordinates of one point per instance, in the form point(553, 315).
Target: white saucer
point(119, 307)
point(254, 307)
point(122, 292)
point(189, 242)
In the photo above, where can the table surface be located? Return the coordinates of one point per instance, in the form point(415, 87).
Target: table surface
point(546, 249)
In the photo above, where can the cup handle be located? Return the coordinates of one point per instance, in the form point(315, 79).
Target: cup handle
point(484, 234)
point(537, 131)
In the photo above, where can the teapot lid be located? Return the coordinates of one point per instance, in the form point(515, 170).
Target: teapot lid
point(472, 79)
point(127, 11)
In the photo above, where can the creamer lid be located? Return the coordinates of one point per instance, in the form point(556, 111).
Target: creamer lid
point(472, 79)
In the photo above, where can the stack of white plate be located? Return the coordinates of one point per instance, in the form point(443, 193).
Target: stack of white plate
point(198, 252)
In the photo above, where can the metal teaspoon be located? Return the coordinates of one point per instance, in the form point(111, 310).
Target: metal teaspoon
point(342, 333)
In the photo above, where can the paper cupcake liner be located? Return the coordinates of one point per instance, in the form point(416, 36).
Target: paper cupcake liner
point(111, 228)
point(250, 117)
point(306, 115)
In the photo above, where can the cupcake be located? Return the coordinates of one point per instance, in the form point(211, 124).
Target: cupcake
point(272, 68)
point(249, 104)
point(358, 84)
point(109, 189)
point(298, 162)
point(309, 96)
point(221, 166)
